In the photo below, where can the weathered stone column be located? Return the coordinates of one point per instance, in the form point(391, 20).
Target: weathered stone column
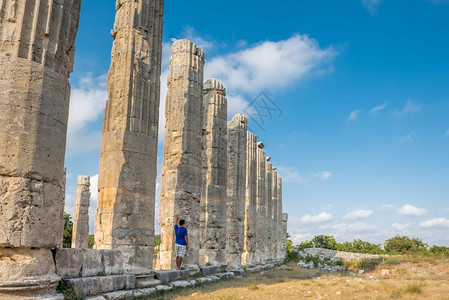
point(127, 174)
point(269, 209)
point(80, 235)
point(275, 236)
point(250, 200)
point(214, 175)
point(36, 58)
point(284, 235)
point(182, 164)
point(261, 230)
point(235, 227)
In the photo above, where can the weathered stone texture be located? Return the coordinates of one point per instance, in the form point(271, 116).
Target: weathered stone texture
point(181, 168)
point(127, 174)
point(235, 227)
point(261, 231)
point(250, 200)
point(36, 58)
point(284, 234)
point(281, 246)
point(214, 175)
point(275, 230)
point(269, 210)
point(80, 235)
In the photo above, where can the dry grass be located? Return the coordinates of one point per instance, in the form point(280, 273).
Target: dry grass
point(417, 279)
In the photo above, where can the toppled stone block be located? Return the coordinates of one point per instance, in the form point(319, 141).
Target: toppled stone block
point(147, 283)
point(112, 261)
point(268, 266)
point(228, 275)
point(213, 278)
point(173, 275)
point(181, 284)
point(193, 282)
point(237, 272)
point(119, 295)
point(164, 287)
point(144, 292)
point(203, 280)
point(95, 298)
point(209, 270)
point(91, 286)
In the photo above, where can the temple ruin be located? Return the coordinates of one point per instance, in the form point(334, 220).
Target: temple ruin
point(215, 173)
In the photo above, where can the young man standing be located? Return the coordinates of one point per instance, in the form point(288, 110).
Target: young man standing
point(182, 241)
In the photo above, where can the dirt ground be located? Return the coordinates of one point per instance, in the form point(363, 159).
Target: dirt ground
point(396, 279)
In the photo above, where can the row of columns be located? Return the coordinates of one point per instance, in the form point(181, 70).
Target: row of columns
point(215, 174)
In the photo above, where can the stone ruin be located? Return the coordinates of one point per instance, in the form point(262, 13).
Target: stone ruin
point(215, 174)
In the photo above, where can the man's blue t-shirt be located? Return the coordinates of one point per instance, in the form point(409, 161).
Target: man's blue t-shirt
point(180, 233)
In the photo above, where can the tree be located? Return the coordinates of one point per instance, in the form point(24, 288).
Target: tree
point(359, 246)
point(91, 241)
point(324, 241)
point(404, 244)
point(68, 229)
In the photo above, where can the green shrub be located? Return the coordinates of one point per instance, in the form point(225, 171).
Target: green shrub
point(439, 251)
point(68, 229)
point(359, 246)
point(325, 242)
point(403, 244)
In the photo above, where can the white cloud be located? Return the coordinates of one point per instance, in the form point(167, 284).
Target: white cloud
point(372, 5)
point(358, 214)
point(409, 108)
point(401, 227)
point(410, 210)
point(271, 65)
point(87, 105)
point(325, 175)
point(387, 207)
point(354, 115)
point(288, 174)
point(190, 34)
point(378, 108)
point(342, 228)
point(320, 218)
point(437, 222)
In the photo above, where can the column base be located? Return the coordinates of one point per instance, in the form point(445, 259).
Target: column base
point(27, 273)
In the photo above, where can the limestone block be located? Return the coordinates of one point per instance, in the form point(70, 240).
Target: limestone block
point(225, 276)
point(147, 283)
point(91, 286)
point(172, 275)
point(112, 261)
point(69, 262)
point(193, 282)
point(181, 167)
point(209, 270)
point(119, 295)
point(237, 272)
point(94, 298)
point(144, 292)
point(203, 280)
point(181, 284)
point(92, 263)
point(164, 287)
point(130, 281)
point(213, 278)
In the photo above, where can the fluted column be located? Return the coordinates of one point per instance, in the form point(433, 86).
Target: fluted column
point(182, 163)
point(261, 230)
point(127, 174)
point(269, 209)
point(275, 231)
point(80, 234)
point(250, 200)
point(36, 57)
point(214, 175)
point(237, 129)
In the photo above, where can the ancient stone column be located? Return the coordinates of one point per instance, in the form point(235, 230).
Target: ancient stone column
point(275, 231)
point(127, 174)
point(249, 245)
point(80, 234)
point(235, 227)
point(182, 163)
point(261, 230)
point(284, 235)
point(269, 209)
point(214, 175)
point(36, 58)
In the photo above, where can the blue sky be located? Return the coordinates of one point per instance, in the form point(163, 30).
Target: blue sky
point(363, 139)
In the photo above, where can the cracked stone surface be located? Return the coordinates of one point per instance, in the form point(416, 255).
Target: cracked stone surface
point(80, 234)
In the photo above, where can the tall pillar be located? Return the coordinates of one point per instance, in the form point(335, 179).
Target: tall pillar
point(214, 175)
point(36, 58)
point(237, 131)
point(275, 236)
point(284, 235)
point(182, 164)
point(261, 230)
point(250, 200)
point(269, 209)
point(80, 234)
point(127, 174)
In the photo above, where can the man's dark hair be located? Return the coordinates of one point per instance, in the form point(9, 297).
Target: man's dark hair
point(181, 222)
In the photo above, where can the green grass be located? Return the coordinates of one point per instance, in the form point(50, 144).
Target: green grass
point(414, 288)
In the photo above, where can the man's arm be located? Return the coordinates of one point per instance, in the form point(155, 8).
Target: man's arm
point(187, 242)
point(176, 219)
